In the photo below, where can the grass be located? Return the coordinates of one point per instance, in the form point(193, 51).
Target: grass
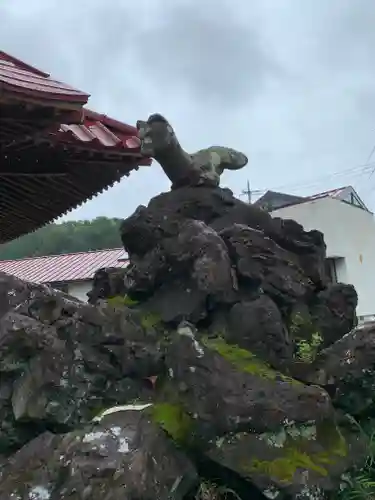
point(212, 491)
point(360, 484)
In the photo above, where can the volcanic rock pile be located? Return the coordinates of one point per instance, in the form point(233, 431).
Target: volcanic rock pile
point(221, 355)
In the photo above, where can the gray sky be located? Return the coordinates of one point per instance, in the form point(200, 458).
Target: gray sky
point(289, 82)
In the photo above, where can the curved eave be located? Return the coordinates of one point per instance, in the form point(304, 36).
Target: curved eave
point(30, 202)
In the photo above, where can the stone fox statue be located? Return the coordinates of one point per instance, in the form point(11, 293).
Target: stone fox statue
point(159, 141)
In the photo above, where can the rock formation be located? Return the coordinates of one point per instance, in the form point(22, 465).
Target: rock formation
point(220, 355)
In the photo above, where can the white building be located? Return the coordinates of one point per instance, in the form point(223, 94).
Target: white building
point(70, 272)
point(349, 232)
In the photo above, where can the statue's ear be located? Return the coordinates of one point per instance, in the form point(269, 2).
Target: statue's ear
point(236, 161)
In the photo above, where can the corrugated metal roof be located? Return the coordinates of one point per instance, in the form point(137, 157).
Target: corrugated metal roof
point(65, 267)
point(20, 79)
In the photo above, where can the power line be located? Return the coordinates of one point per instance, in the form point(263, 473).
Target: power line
point(370, 155)
point(249, 192)
point(358, 170)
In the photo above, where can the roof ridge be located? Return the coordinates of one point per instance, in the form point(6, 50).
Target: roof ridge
point(333, 189)
point(22, 65)
point(36, 257)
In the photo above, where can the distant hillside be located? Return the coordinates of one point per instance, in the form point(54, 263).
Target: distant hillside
point(72, 236)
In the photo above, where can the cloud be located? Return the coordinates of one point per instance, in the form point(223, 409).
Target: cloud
point(289, 82)
point(205, 49)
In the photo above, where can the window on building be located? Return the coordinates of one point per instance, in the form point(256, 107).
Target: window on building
point(336, 269)
point(331, 270)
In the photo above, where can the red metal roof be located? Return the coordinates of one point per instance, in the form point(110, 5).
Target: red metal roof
point(56, 155)
point(66, 267)
point(21, 80)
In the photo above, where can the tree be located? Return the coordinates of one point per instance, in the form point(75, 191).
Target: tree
point(66, 237)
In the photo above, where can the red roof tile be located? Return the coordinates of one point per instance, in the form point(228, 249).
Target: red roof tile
point(101, 132)
point(19, 79)
point(66, 267)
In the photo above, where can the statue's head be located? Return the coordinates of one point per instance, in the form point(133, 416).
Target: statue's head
point(155, 134)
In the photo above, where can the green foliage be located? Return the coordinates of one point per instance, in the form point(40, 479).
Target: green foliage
point(66, 237)
point(360, 484)
point(211, 491)
point(308, 349)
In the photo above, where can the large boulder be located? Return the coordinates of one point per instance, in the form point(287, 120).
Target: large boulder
point(302, 461)
point(122, 457)
point(61, 360)
point(219, 209)
point(260, 262)
point(258, 326)
point(334, 312)
point(195, 256)
point(347, 369)
point(228, 389)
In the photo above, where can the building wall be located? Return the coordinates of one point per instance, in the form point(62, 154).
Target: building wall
point(79, 289)
point(349, 233)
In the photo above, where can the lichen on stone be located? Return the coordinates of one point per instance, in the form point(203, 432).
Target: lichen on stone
point(271, 492)
point(120, 408)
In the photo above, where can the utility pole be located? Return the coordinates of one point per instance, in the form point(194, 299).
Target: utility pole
point(247, 192)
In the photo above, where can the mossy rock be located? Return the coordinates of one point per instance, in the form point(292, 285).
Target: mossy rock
point(296, 457)
point(298, 454)
point(245, 360)
point(121, 300)
point(174, 420)
point(150, 320)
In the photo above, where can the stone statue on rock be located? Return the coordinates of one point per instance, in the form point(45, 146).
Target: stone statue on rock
point(203, 168)
point(221, 351)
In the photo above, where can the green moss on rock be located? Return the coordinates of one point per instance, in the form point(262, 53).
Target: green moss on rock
point(245, 360)
point(296, 451)
point(174, 420)
point(150, 320)
point(120, 300)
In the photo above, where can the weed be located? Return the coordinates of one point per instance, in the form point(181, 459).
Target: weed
point(360, 484)
point(307, 350)
point(212, 491)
